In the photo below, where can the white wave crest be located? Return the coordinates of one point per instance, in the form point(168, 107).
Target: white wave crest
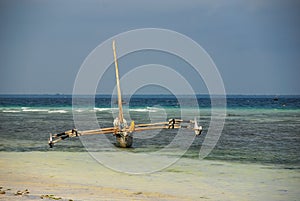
point(139, 110)
point(27, 109)
point(57, 111)
point(102, 109)
point(11, 111)
point(155, 109)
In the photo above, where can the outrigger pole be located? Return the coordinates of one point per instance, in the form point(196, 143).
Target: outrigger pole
point(122, 132)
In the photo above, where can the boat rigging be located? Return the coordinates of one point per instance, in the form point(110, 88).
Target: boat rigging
point(120, 129)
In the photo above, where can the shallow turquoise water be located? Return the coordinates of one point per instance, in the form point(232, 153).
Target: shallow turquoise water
point(256, 130)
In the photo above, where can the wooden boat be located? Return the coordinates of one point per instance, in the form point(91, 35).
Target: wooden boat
point(120, 129)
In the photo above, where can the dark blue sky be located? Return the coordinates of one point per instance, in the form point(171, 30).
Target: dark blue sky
point(255, 44)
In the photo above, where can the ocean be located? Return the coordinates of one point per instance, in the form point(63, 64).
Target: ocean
point(258, 129)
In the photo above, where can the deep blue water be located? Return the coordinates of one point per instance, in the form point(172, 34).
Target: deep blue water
point(258, 129)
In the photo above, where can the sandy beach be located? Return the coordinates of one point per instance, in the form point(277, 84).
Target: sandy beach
point(77, 176)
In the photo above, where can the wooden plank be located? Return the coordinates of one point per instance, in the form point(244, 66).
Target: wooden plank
point(99, 129)
point(152, 124)
point(155, 128)
point(97, 132)
point(177, 121)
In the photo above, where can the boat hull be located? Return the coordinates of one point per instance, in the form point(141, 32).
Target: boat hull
point(124, 141)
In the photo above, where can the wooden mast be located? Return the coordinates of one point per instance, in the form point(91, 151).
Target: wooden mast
point(118, 85)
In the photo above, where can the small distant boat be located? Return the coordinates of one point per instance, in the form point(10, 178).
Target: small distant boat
point(275, 98)
point(120, 129)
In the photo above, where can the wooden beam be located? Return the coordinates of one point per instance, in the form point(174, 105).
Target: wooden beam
point(118, 84)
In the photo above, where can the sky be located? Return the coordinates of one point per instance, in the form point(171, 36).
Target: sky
point(254, 44)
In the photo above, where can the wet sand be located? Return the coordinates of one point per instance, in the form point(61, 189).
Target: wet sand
point(77, 176)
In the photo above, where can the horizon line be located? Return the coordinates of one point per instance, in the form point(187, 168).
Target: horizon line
point(150, 94)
